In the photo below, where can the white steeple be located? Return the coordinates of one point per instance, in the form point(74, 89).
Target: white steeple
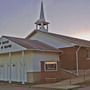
point(42, 12)
point(41, 24)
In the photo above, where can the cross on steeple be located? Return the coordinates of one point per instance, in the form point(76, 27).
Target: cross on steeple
point(41, 24)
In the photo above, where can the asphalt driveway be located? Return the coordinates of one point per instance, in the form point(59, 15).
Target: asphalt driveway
point(4, 86)
point(18, 88)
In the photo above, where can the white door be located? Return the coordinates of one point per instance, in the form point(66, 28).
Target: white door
point(4, 62)
point(5, 72)
point(23, 73)
point(17, 71)
point(13, 72)
point(1, 72)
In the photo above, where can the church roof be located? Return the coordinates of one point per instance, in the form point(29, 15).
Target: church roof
point(76, 41)
point(32, 44)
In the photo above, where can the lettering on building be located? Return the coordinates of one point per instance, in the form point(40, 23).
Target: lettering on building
point(5, 44)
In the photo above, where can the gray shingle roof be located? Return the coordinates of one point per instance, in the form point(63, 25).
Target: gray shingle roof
point(31, 44)
point(77, 41)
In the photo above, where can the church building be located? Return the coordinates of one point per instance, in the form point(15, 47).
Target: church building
point(42, 55)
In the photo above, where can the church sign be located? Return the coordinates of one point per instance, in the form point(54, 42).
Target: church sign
point(5, 44)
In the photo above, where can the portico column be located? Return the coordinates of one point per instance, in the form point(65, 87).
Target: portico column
point(9, 67)
point(23, 68)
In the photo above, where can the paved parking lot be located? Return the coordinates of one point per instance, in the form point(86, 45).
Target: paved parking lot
point(6, 86)
point(14, 88)
point(17, 88)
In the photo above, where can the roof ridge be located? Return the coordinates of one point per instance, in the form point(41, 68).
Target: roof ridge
point(76, 41)
point(63, 35)
point(56, 34)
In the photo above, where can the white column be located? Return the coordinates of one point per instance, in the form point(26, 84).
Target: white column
point(36, 27)
point(42, 26)
point(23, 68)
point(10, 67)
point(47, 27)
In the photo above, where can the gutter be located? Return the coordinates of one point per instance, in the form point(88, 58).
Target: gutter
point(77, 61)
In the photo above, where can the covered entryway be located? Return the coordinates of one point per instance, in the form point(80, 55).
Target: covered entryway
point(12, 67)
point(17, 71)
point(4, 67)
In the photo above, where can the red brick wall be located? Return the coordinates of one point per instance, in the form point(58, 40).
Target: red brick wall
point(84, 63)
point(52, 76)
point(68, 58)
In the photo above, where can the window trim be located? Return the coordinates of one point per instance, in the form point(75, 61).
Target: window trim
point(50, 70)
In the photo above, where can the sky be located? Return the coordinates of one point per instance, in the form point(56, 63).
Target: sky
point(66, 17)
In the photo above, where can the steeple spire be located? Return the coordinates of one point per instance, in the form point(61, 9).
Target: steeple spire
point(41, 24)
point(42, 12)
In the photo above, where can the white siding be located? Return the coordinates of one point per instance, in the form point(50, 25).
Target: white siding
point(51, 40)
point(28, 61)
point(16, 66)
point(38, 57)
point(4, 67)
point(33, 60)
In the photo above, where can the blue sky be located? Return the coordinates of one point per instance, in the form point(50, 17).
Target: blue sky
point(66, 17)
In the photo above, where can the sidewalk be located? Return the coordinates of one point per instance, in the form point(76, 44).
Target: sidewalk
point(65, 84)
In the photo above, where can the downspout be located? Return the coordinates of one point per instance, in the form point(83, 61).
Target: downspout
point(77, 61)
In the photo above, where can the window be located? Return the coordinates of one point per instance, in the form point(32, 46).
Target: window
point(50, 66)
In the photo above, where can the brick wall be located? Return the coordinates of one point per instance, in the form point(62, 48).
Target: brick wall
point(53, 76)
point(84, 62)
point(68, 58)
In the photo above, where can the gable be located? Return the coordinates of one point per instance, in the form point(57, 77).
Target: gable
point(51, 40)
point(8, 46)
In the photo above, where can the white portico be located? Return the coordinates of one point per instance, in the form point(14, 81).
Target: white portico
point(20, 59)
